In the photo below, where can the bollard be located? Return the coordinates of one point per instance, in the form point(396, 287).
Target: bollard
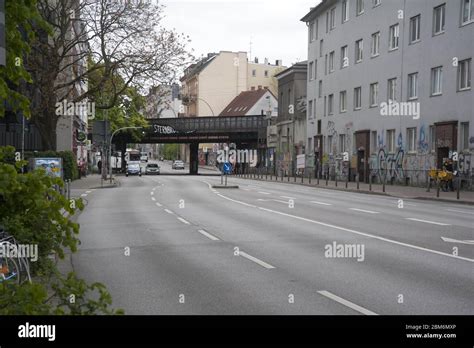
point(437, 190)
point(309, 177)
point(358, 181)
point(317, 177)
point(335, 178)
point(295, 177)
point(288, 177)
point(383, 185)
point(347, 180)
point(458, 188)
point(370, 181)
point(302, 178)
point(327, 179)
point(428, 182)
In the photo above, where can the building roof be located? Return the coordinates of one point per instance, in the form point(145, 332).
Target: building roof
point(244, 102)
point(196, 68)
point(312, 14)
point(297, 67)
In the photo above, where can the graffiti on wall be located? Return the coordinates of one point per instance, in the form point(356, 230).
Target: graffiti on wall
point(390, 165)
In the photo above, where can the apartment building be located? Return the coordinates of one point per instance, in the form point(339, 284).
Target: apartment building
point(390, 82)
point(209, 85)
point(289, 127)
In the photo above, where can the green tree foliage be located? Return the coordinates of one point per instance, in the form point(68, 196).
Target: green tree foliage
point(34, 212)
point(170, 151)
point(21, 18)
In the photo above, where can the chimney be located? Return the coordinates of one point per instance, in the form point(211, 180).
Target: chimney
point(256, 60)
point(266, 61)
point(278, 62)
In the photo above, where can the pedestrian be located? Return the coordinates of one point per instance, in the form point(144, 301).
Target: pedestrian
point(99, 166)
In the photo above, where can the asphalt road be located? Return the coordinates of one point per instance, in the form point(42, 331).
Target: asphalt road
point(174, 245)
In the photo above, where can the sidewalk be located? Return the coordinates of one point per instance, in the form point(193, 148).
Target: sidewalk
point(93, 181)
point(407, 192)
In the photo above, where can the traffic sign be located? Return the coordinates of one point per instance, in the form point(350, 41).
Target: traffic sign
point(227, 168)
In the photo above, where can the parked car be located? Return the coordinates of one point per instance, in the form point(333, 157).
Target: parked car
point(177, 165)
point(152, 168)
point(133, 169)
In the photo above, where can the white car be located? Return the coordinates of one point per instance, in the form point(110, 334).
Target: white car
point(177, 165)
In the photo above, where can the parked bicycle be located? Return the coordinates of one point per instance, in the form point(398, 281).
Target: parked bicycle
point(12, 269)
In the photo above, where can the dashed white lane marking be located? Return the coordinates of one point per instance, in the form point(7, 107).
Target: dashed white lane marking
point(429, 222)
point(208, 235)
point(364, 211)
point(272, 200)
point(460, 211)
point(169, 211)
point(84, 195)
point(320, 203)
point(158, 205)
point(264, 193)
point(368, 235)
point(245, 189)
point(254, 259)
point(287, 197)
point(153, 198)
point(88, 191)
point(346, 303)
point(451, 240)
point(184, 221)
point(152, 193)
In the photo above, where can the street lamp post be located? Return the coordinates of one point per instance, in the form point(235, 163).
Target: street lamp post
point(110, 146)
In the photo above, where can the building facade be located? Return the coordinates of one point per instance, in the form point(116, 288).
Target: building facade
point(390, 83)
point(212, 83)
point(290, 125)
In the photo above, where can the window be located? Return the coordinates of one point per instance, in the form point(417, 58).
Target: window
point(320, 90)
point(359, 50)
point(374, 94)
point(394, 35)
point(319, 128)
point(375, 44)
point(467, 11)
point(376, 2)
point(330, 149)
point(373, 141)
point(439, 14)
point(310, 109)
point(332, 23)
point(321, 42)
point(464, 136)
point(331, 61)
point(345, 11)
point(331, 104)
point(327, 22)
point(357, 98)
point(391, 140)
point(316, 23)
point(326, 64)
point(344, 57)
point(413, 86)
point(315, 69)
point(342, 143)
point(432, 138)
point(310, 71)
point(411, 139)
point(325, 106)
point(254, 72)
point(437, 81)
point(311, 32)
point(415, 29)
point(359, 7)
point(392, 89)
point(464, 74)
point(342, 101)
point(266, 73)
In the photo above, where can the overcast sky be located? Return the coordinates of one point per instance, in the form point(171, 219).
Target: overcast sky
point(273, 26)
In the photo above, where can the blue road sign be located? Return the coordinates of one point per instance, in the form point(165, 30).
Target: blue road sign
point(227, 168)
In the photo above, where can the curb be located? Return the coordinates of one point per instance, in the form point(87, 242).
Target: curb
point(371, 192)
